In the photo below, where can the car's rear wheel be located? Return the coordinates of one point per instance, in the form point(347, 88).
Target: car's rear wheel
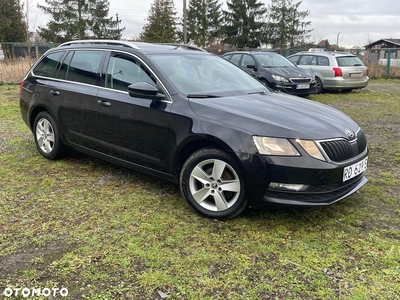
point(212, 184)
point(318, 86)
point(47, 136)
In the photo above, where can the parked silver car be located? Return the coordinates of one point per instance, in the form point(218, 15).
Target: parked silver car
point(333, 70)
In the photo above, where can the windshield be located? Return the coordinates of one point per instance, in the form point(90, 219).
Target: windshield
point(206, 75)
point(272, 60)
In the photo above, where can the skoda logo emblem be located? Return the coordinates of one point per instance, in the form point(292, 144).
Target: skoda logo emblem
point(350, 134)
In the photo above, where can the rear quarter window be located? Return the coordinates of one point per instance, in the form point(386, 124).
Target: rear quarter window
point(48, 64)
point(349, 61)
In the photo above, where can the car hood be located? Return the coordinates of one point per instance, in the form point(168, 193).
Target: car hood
point(288, 72)
point(277, 115)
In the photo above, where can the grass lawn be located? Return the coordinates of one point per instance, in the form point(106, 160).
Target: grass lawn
point(106, 232)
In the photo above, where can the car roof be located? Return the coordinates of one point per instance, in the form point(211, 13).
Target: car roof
point(137, 46)
point(325, 53)
point(252, 52)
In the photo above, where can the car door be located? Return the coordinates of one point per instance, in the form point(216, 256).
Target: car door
point(132, 129)
point(318, 65)
point(75, 89)
point(323, 71)
point(248, 64)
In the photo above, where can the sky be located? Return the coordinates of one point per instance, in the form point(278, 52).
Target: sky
point(348, 23)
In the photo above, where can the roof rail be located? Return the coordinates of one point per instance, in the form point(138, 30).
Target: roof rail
point(104, 42)
point(189, 47)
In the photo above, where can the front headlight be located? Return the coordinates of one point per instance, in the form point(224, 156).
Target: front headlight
point(274, 146)
point(279, 78)
point(311, 148)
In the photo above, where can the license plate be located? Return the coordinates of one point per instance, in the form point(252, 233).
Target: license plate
point(356, 75)
point(302, 86)
point(355, 169)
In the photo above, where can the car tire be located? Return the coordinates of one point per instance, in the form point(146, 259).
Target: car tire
point(212, 184)
point(318, 86)
point(47, 136)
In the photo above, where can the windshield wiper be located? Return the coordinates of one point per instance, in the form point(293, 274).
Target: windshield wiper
point(257, 92)
point(202, 96)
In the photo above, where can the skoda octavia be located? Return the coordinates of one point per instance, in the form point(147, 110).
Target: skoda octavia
point(194, 118)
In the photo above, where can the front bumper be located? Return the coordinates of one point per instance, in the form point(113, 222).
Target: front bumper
point(324, 181)
point(292, 89)
point(316, 196)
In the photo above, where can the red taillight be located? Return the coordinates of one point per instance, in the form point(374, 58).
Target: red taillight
point(366, 71)
point(20, 87)
point(338, 72)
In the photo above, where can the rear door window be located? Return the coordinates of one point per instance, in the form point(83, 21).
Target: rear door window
point(47, 65)
point(236, 58)
point(308, 60)
point(84, 66)
point(323, 61)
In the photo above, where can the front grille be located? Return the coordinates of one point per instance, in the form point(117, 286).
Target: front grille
point(300, 80)
point(342, 150)
point(338, 150)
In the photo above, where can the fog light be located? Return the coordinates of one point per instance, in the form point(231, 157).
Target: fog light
point(288, 186)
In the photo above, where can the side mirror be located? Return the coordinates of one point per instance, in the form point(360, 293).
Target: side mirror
point(145, 90)
point(254, 67)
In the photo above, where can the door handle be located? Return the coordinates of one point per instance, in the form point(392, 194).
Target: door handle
point(104, 103)
point(55, 93)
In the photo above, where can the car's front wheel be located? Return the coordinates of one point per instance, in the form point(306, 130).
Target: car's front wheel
point(47, 136)
point(318, 86)
point(212, 184)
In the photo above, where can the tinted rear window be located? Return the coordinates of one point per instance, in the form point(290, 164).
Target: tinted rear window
point(84, 66)
point(47, 65)
point(349, 61)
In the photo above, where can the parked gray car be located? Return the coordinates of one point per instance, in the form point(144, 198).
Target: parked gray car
point(333, 71)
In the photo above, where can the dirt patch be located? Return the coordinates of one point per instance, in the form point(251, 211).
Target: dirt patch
point(22, 260)
point(378, 87)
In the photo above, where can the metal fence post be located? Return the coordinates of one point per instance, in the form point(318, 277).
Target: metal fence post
point(388, 55)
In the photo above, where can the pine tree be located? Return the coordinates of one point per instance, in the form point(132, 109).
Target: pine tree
point(102, 26)
point(161, 26)
point(12, 26)
point(286, 25)
point(204, 21)
point(78, 19)
point(244, 23)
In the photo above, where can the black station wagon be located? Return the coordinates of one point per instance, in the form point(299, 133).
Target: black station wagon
point(191, 117)
point(275, 71)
